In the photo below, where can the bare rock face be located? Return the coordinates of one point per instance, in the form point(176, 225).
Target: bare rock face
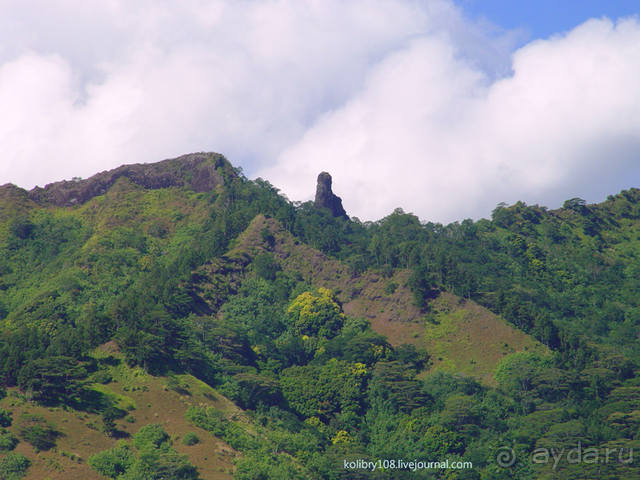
point(325, 198)
point(198, 171)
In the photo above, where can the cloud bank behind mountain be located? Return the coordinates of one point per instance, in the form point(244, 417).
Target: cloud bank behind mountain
point(406, 103)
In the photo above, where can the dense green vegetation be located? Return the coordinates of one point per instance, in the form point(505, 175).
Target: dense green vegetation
point(149, 457)
point(318, 386)
point(13, 466)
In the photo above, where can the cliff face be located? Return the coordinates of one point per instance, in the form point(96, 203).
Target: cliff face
point(199, 171)
point(325, 198)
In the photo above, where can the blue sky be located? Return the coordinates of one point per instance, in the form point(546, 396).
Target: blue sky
point(418, 104)
point(542, 18)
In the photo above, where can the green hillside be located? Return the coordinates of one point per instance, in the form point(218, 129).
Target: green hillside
point(177, 320)
point(461, 336)
point(142, 400)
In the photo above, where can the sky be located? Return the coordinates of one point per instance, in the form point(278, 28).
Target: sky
point(442, 108)
point(544, 18)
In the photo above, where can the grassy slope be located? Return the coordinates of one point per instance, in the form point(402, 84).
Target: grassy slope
point(466, 338)
point(460, 335)
point(154, 403)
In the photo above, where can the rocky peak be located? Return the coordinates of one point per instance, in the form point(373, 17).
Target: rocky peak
point(198, 171)
point(325, 198)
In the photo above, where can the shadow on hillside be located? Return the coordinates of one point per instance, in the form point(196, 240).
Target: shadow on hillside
point(110, 361)
point(120, 434)
point(91, 401)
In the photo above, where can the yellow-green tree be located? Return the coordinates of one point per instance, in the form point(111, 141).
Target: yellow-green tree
point(316, 313)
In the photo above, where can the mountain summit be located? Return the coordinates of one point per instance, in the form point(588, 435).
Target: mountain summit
point(325, 198)
point(200, 171)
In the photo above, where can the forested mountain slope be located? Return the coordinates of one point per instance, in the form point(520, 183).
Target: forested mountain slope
point(462, 336)
point(318, 338)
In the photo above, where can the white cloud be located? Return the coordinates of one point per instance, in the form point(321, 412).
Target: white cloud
point(405, 102)
point(430, 134)
point(90, 85)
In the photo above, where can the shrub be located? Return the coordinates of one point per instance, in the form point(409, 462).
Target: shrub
point(113, 462)
point(36, 431)
point(155, 459)
point(7, 441)
point(109, 417)
point(173, 383)
point(210, 419)
point(190, 438)
point(13, 466)
point(5, 418)
point(39, 436)
point(156, 464)
point(150, 435)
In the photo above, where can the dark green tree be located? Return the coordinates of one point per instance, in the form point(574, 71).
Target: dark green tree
point(52, 379)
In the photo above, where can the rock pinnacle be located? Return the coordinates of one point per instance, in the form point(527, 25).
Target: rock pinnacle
point(325, 198)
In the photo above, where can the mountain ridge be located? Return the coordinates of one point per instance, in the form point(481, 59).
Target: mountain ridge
point(311, 329)
point(200, 171)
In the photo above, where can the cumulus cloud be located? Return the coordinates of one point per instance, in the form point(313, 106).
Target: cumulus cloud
point(407, 103)
point(89, 85)
point(431, 133)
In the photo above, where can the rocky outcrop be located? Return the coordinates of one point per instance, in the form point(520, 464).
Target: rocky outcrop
point(199, 171)
point(11, 193)
point(325, 198)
